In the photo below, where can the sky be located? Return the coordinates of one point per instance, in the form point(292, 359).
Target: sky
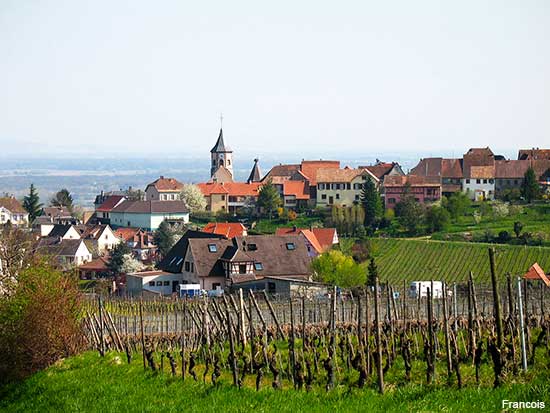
point(311, 77)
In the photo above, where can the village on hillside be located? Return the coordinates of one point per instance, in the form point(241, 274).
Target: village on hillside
point(174, 238)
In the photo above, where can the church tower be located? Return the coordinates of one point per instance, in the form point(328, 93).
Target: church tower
point(221, 156)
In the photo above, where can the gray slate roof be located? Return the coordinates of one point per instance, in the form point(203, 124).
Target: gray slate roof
point(220, 145)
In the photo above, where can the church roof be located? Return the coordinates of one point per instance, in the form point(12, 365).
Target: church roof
point(255, 174)
point(220, 145)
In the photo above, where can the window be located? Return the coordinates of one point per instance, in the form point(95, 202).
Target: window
point(478, 181)
point(491, 181)
point(337, 196)
point(187, 266)
point(485, 181)
point(192, 267)
point(165, 283)
point(391, 200)
point(467, 181)
point(258, 266)
point(290, 246)
point(324, 196)
point(151, 283)
point(252, 247)
point(229, 162)
point(159, 283)
point(357, 197)
point(212, 248)
point(129, 224)
point(348, 186)
point(242, 268)
point(321, 186)
point(223, 197)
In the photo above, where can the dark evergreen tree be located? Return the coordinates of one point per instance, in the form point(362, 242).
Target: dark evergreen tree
point(32, 204)
point(268, 198)
point(518, 227)
point(164, 238)
point(117, 256)
point(530, 189)
point(372, 203)
point(373, 273)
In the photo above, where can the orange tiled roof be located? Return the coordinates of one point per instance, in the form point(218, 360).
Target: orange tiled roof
point(297, 188)
point(126, 233)
point(227, 229)
point(310, 168)
point(536, 273)
point(12, 205)
point(323, 236)
point(230, 188)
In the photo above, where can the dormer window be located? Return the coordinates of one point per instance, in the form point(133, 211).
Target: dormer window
point(258, 266)
point(252, 247)
point(212, 248)
point(290, 246)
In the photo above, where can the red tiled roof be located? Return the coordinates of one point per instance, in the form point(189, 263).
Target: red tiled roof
point(412, 180)
point(441, 167)
point(323, 236)
point(227, 229)
point(534, 153)
point(341, 175)
point(126, 233)
point(230, 188)
point(310, 168)
point(478, 157)
point(111, 202)
point(167, 184)
point(98, 264)
point(12, 205)
point(511, 169)
point(536, 273)
point(297, 188)
point(151, 207)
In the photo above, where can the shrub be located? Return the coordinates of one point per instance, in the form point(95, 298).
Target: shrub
point(40, 323)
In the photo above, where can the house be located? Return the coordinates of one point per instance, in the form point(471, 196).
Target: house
point(227, 229)
point(103, 210)
point(423, 188)
point(295, 194)
point(60, 231)
point(163, 189)
point(56, 215)
point(96, 268)
point(218, 262)
point(147, 214)
point(305, 172)
point(382, 169)
point(341, 186)
point(229, 196)
point(152, 282)
point(479, 171)
point(140, 241)
point(313, 246)
point(448, 170)
point(534, 154)
point(11, 211)
point(102, 236)
point(67, 252)
point(326, 237)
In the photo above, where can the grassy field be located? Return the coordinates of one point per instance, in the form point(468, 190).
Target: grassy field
point(87, 383)
point(401, 259)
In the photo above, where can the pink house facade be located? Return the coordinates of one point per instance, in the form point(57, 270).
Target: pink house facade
point(424, 189)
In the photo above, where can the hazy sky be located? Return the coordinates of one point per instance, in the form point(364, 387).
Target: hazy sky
point(289, 76)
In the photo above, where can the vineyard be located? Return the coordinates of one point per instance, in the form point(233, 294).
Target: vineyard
point(412, 260)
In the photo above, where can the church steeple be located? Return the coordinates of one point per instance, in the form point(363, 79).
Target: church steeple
point(221, 156)
point(255, 173)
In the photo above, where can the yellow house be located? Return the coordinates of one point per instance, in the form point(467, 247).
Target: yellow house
point(341, 186)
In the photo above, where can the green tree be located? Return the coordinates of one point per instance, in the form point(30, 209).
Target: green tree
point(437, 218)
point(530, 189)
point(335, 268)
point(164, 238)
point(32, 204)
point(457, 204)
point(373, 273)
point(409, 212)
point(268, 198)
point(63, 198)
point(118, 259)
point(518, 227)
point(372, 203)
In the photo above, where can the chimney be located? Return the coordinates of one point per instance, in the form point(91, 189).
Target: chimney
point(162, 177)
point(294, 228)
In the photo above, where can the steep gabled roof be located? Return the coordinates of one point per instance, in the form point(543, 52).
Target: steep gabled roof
point(442, 167)
point(111, 202)
point(536, 273)
point(59, 231)
point(221, 175)
point(299, 189)
point(324, 236)
point(173, 262)
point(310, 168)
point(12, 205)
point(65, 248)
point(220, 144)
point(255, 173)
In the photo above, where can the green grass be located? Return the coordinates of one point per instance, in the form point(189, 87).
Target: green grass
point(266, 226)
point(87, 383)
point(402, 259)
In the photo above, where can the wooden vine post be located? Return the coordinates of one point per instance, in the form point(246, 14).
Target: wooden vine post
point(378, 339)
